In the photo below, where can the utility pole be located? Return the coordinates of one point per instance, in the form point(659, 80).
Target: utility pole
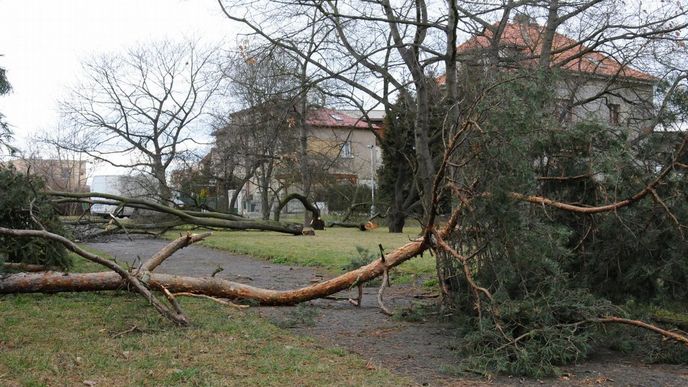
point(372, 179)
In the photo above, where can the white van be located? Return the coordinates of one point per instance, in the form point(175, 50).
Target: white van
point(110, 184)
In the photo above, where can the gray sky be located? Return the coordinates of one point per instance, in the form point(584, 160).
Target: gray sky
point(43, 43)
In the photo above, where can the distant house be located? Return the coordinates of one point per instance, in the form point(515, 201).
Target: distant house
point(341, 145)
point(348, 141)
point(593, 85)
point(58, 175)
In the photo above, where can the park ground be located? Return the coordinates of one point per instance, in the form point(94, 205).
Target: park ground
point(117, 339)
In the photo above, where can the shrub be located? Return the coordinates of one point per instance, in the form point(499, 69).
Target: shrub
point(20, 197)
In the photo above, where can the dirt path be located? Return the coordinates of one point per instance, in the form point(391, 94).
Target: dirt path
point(420, 350)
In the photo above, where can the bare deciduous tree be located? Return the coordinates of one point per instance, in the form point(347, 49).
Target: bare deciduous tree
point(142, 109)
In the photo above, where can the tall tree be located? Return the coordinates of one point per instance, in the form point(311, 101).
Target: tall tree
point(141, 109)
point(264, 83)
point(502, 146)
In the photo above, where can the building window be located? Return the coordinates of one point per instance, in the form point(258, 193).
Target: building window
point(614, 113)
point(346, 152)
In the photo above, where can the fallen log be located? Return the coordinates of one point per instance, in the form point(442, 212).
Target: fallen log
point(360, 226)
point(143, 278)
point(222, 221)
point(53, 282)
point(24, 267)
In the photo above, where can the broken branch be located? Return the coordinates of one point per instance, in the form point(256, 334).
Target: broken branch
point(125, 276)
point(171, 248)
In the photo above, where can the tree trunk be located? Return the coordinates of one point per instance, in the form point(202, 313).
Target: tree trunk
point(222, 199)
point(265, 178)
point(52, 282)
point(233, 202)
point(164, 193)
point(310, 207)
point(306, 177)
point(548, 36)
point(396, 221)
point(265, 203)
point(210, 219)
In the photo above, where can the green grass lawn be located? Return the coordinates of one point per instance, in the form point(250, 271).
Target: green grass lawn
point(67, 339)
point(331, 248)
point(116, 338)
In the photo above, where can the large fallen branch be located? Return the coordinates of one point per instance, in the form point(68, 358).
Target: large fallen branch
point(118, 278)
point(123, 276)
point(52, 282)
point(214, 220)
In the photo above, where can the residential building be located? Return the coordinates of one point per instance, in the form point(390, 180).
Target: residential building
point(58, 175)
point(591, 86)
point(342, 148)
point(347, 142)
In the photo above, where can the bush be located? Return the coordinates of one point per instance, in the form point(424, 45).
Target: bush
point(20, 195)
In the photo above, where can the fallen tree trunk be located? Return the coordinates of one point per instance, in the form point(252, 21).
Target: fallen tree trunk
point(53, 282)
point(360, 226)
point(24, 267)
point(223, 221)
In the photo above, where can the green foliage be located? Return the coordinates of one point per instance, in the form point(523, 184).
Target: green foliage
point(397, 150)
point(653, 349)
point(637, 252)
point(549, 270)
point(18, 194)
point(536, 334)
point(677, 106)
point(5, 132)
point(398, 187)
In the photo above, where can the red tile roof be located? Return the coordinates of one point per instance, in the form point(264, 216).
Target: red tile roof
point(568, 53)
point(331, 118)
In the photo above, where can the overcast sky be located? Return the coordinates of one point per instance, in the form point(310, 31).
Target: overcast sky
point(43, 43)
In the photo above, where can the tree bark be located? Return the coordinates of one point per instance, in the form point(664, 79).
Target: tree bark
point(222, 199)
point(164, 192)
point(200, 219)
point(396, 221)
point(53, 282)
